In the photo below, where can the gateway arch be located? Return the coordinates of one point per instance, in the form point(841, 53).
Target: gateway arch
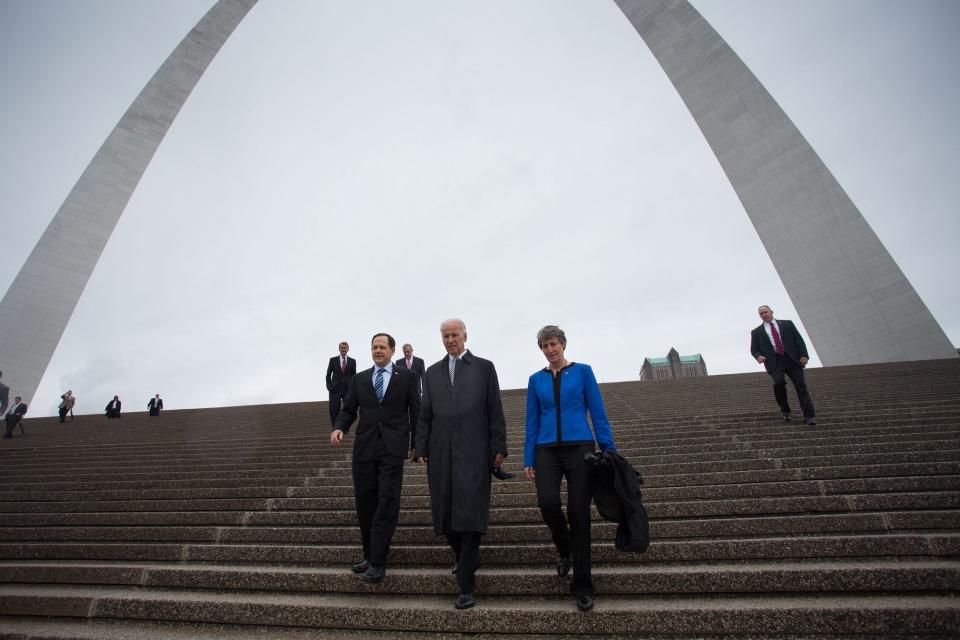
point(831, 262)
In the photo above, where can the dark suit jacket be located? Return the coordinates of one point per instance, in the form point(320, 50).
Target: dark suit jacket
point(119, 404)
point(155, 401)
point(339, 381)
point(418, 365)
point(390, 422)
point(793, 344)
point(20, 411)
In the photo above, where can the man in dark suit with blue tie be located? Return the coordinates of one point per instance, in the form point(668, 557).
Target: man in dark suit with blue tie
point(778, 346)
point(388, 400)
point(340, 372)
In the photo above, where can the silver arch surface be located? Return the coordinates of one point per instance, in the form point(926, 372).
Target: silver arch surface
point(853, 299)
point(37, 306)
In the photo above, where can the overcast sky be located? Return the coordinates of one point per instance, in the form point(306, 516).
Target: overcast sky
point(344, 168)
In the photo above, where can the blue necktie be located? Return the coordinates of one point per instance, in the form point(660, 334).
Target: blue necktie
point(378, 384)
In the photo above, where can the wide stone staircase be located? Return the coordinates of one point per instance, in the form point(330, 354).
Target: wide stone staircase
point(239, 523)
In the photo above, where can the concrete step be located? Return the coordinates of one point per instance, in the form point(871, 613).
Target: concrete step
point(51, 628)
point(661, 530)
point(781, 546)
point(766, 614)
point(417, 509)
point(186, 484)
point(913, 576)
point(515, 508)
point(13, 497)
point(160, 518)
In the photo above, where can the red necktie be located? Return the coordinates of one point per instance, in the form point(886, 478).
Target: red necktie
point(777, 343)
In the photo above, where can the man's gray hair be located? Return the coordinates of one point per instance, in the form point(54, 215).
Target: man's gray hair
point(463, 327)
point(551, 331)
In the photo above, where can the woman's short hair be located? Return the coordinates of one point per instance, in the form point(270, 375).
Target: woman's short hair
point(551, 331)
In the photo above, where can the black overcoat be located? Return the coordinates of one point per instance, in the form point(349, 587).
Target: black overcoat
point(460, 430)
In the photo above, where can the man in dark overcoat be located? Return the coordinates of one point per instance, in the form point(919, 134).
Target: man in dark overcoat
point(461, 434)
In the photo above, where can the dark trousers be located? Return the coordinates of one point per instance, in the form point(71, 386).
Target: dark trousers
point(377, 484)
point(155, 411)
point(12, 419)
point(785, 368)
point(113, 413)
point(336, 398)
point(552, 465)
point(466, 547)
point(63, 414)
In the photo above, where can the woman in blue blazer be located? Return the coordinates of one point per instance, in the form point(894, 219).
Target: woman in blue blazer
point(558, 435)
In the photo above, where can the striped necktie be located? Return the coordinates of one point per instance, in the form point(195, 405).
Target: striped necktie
point(777, 343)
point(378, 384)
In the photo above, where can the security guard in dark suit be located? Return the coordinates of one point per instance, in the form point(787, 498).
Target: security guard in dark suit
point(778, 346)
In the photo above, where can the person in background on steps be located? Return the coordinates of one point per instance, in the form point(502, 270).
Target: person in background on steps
point(113, 408)
point(558, 436)
point(14, 416)
point(155, 405)
point(412, 362)
point(340, 372)
point(778, 346)
point(388, 399)
point(67, 401)
point(461, 436)
point(4, 396)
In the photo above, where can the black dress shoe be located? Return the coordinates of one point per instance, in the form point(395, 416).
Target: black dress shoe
point(786, 418)
point(563, 565)
point(464, 601)
point(373, 574)
point(810, 422)
point(585, 602)
point(360, 567)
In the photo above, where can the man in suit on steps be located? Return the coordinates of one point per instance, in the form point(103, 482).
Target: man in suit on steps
point(388, 400)
point(340, 371)
point(778, 346)
point(17, 410)
point(412, 362)
point(155, 405)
